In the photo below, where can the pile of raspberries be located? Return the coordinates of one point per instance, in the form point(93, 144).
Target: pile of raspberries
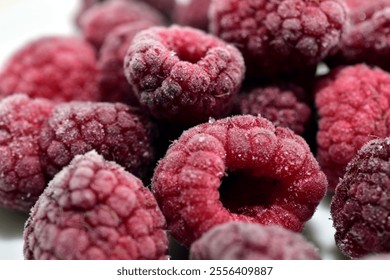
point(209, 124)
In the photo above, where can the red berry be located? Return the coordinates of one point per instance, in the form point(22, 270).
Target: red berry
point(165, 6)
point(353, 106)
point(237, 169)
point(280, 36)
point(101, 19)
point(116, 131)
point(183, 75)
point(245, 241)
point(93, 209)
point(192, 13)
point(360, 207)
point(278, 103)
point(112, 81)
point(367, 39)
point(21, 178)
point(57, 68)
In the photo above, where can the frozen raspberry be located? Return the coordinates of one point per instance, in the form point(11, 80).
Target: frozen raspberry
point(94, 209)
point(245, 241)
point(118, 132)
point(278, 103)
point(367, 40)
point(360, 207)
point(237, 169)
point(112, 81)
point(362, 10)
point(192, 13)
point(353, 106)
point(101, 19)
point(57, 68)
point(21, 179)
point(85, 5)
point(279, 36)
point(183, 75)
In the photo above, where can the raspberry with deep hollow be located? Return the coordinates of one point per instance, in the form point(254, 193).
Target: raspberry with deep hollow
point(248, 241)
point(237, 169)
point(98, 21)
point(57, 68)
point(280, 104)
point(116, 131)
point(353, 105)
point(113, 84)
point(280, 36)
point(183, 75)
point(368, 39)
point(21, 177)
point(93, 209)
point(360, 206)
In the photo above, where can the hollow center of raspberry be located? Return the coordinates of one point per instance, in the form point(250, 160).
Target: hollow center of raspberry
point(245, 194)
point(191, 55)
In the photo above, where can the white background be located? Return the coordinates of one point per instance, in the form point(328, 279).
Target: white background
point(24, 20)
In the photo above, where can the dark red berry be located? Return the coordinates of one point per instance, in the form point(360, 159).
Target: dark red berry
point(353, 106)
point(93, 209)
point(183, 75)
point(281, 36)
point(360, 207)
point(237, 169)
point(247, 241)
point(21, 178)
point(98, 21)
point(116, 131)
point(278, 103)
point(57, 68)
point(112, 81)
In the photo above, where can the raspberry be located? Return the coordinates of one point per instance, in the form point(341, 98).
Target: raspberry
point(118, 132)
point(93, 209)
point(21, 179)
point(245, 241)
point(85, 6)
point(353, 106)
point(199, 182)
point(360, 207)
point(362, 10)
point(192, 13)
point(366, 41)
point(57, 68)
point(279, 36)
point(278, 103)
point(101, 19)
point(183, 75)
point(112, 81)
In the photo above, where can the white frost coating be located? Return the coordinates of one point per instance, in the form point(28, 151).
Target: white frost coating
point(183, 2)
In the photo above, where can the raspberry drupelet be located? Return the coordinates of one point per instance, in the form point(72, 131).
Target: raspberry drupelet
point(183, 75)
point(57, 68)
point(192, 13)
point(113, 84)
point(21, 178)
point(353, 104)
point(237, 169)
point(360, 207)
point(94, 209)
point(116, 131)
point(367, 40)
point(98, 21)
point(248, 241)
point(281, 36)
point(280, 104)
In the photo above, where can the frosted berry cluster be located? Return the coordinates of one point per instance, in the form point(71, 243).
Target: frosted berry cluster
point(237, 169)
point(360, 207)
point(94, 209)
point(247, 241)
